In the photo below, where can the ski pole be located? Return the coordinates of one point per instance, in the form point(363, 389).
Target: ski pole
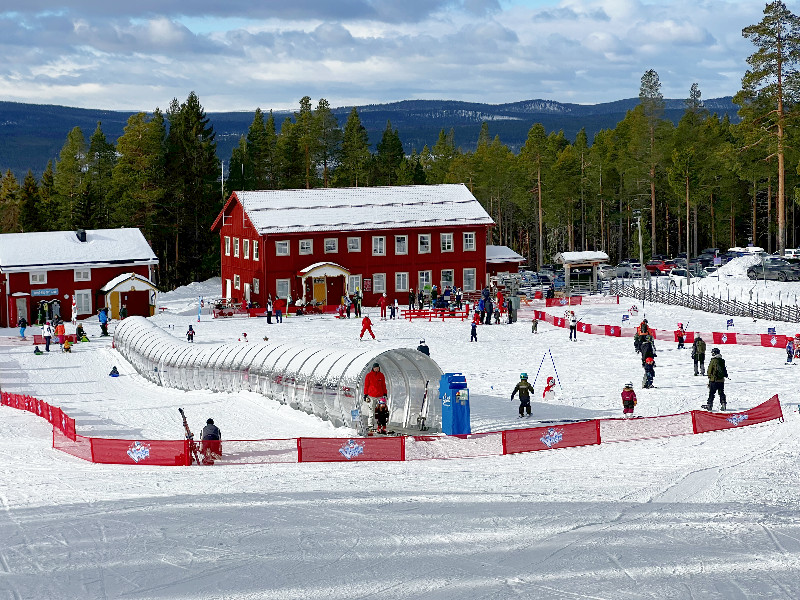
point(554, 369)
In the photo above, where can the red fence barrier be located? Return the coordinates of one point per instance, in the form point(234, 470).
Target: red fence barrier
point(58, 419)
point(707, 421)
point(350, 450)
point(570, 435)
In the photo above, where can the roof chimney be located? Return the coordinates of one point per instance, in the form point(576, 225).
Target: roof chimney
point(81, 233)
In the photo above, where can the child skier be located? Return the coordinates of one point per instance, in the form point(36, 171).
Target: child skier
point(524, 388)
point(628, 400)
point(366, 326)
point(381, 415)
point(473, 336)
point(680, 334)
point(789, 351)
point(534, 325)
point(190, 334)
point(649, 372)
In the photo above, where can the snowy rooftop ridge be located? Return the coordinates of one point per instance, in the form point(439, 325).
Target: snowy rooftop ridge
point(63, 249)
point(353, 209)
point(502, 254)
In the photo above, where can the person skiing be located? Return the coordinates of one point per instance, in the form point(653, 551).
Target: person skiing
point(47, 334)
point(573, 326)
point(423, 347)
point(699, 354)
point(211, 443)
point(647, 348)
point(525, 389)
point(789, 351)
point(374, 390)
point(381, 415)
point(190, 334)
point(680, 334)
point(366, 325)
point(717, 373)
point(649, 372)
point(382, 302)
point(22, 323)
point(473, 336)
point(628, 400)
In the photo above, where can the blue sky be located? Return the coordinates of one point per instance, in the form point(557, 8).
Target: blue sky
point(239, 54)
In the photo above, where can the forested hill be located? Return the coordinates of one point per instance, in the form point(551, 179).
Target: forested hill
point(32, 134)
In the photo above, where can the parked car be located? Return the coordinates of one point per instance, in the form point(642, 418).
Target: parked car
point(711, 271)
point(681, 277)
point(624, 269)
point(775, 268)
point(791, 253)
point(659, 267)
point(606, 272)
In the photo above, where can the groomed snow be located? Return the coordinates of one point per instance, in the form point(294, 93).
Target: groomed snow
point(703, 516)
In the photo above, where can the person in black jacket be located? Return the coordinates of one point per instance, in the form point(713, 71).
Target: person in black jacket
point(423, 347)
point(524, 388)
point(211, 438)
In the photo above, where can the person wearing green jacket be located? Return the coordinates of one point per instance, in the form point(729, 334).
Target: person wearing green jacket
point(717, 373)
point(525, 389)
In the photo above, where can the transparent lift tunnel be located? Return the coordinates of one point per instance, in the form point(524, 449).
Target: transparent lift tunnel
point(320, 381)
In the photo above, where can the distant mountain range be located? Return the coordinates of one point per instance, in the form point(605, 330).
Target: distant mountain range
point(32, 134)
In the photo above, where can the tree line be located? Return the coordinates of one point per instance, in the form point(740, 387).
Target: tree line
point(701, 182)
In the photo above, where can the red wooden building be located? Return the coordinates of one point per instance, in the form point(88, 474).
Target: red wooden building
point(57, 265)
point(317, 243)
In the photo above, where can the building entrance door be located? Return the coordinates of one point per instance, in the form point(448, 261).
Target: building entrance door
point(22, 309)
point(320, 293)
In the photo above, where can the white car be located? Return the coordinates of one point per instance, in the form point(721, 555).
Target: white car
point(680, 277)
point(606, 272)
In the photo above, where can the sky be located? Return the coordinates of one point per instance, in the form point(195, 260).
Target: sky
point(239, 54)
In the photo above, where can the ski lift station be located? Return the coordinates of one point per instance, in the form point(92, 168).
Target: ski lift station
point(321, 381)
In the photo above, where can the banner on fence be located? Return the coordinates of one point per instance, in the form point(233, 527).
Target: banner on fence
point(707, 421)
point(547, 438)
point(723, 337)
point(773, 341)
point(350, 449)
point(140, 452)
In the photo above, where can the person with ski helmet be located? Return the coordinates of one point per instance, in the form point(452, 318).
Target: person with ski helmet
point(699, 354)
point(649, 372)
point(374, 390)
point(525, 390)
point(628, 400)
point(211, 438)
point(190, 334)
point(717, 373)
point(381, 415)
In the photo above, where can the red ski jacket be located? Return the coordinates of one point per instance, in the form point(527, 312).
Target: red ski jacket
point(375, 384)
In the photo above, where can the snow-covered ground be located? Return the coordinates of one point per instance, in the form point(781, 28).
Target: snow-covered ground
point(703, 516)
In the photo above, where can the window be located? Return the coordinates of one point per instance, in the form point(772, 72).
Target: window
point(282, 248)
point(378, 245)
point(354, 244)
point(424, 280)
point(446, 241)
point(255, 249)
point(237, 282)
point(83, 302)
point(236, 247)
point(256, 285)
point(83, 274)
point(401, 282)
point(246, 248)
point(306, 246)
point(469, 280)
point(331, 245)
point(353, 282)
point(424, 243)
point(379, 283)
point(448, 278)
point(401, 244)
point(282, 288)
point(227, 246)
point(469, 241)
point(40, 277)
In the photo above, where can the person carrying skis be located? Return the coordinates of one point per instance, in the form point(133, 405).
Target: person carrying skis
point(699, 354)
point(381, 415)
point(789, 351)
point(649, 372)
point(374, 390)
point(628, 400)
point(366, 325)
point(23, 325)
point(525, 389)
point(717, 373)
point(680, 334)
point(190, 334)
point(573, 326)
point(211, 443)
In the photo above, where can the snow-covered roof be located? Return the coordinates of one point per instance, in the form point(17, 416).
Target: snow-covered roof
point(501, 254)
point(63, 250)
point(320, 269)
point(138, 282)
point(365, 208)
point(580, 257)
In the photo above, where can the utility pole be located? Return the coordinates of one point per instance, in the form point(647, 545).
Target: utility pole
point(637, 214)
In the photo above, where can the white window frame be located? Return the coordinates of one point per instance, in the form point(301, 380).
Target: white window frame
point(446, 242)
point(379, 283)
point(400, 239)
point(282, 248)
point(79, 302)
point(256, 285)
point(424, 278)
point(442, 283)
point(378, 245)
point(236, 247)
point(82, 275)
point(331, 245)
point(427, 238)
point(354, 244)
point(246, 249)
point(306, 247)
point(227, 245)
point(237, 282)
point(401, 281)
point(466, 287)
point(255, 250)
point(353, 283)
point(37, 277)
point(469, 241)
point(282, 287)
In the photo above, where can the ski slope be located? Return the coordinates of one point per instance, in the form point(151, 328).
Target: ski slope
point(703, 516)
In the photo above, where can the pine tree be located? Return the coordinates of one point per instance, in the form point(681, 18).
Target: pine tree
point(652, 101)
point(330, 139)
point(536, 161)
point(390, 156)
point(9, 204)
point(29, 204)
point(289, 157)
point(354, 159)
point(254, 156)
point(306, 129)
point(101, 159)
point(46, 199)
point(70, 181)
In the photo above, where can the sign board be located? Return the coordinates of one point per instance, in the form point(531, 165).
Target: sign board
point(368, 285)
point(45, 292)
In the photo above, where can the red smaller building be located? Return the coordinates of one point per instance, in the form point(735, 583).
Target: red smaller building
point(50, 268)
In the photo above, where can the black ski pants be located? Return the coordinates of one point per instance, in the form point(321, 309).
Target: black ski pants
point(713, 387)
point(524, 405)
point(700, 359)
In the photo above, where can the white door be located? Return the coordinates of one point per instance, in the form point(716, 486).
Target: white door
point(228, 288)
point(22, 309)
point(247, 293)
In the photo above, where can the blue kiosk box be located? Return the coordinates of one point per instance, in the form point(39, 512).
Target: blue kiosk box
point(454, 395)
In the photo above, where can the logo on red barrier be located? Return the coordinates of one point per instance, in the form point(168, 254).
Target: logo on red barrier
point(552, 437)
point(724, 338)
point(773, 340)
point(737, 419)
point(139, 451)
point(351, 449)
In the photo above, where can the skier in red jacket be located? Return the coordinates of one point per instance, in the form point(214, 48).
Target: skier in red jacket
point(374, 390)
point(382, 302)
point(366, 325)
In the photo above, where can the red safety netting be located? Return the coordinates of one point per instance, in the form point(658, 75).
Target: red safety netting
point(76, 446)
point(54, 415)
point(708, 421)
point(571, 301)
point(350, 449)
point(140, 452)
point(547, 438)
